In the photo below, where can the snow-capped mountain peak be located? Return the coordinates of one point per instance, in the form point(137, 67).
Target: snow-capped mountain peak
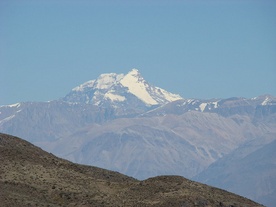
point(106, 81)
point(118, 88)
point(138, 87)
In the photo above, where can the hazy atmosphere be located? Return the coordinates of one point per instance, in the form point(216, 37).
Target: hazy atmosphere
point(198, 49)
point(150, 99)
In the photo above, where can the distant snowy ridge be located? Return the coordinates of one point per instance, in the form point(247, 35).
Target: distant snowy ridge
point(114, 87)
point(104, 81)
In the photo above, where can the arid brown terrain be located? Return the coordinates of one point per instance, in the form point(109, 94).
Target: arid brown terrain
point(30, 176)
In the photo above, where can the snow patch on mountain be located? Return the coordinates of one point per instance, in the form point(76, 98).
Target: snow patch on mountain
point(268, 101)
point(265, 102)
point(6, 119)
point(88, 84)
point(215, 104)
point(17, 105)
point(138, 86)
point(202, 106)
point(106, 81)
point(167, 95)
point(114, 97)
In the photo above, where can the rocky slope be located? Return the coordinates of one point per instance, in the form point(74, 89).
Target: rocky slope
point(31, 177)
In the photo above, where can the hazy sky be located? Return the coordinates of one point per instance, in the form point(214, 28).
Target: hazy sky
point(198, 49)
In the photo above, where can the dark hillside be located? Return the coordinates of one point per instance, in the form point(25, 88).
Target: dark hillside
point(30, 176)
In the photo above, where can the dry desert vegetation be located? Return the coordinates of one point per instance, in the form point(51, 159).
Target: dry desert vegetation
point(30, 176)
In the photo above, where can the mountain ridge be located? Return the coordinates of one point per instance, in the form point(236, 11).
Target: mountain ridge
point(33, 177)
point(252, 159)
point(139, 139)
point(116, 88)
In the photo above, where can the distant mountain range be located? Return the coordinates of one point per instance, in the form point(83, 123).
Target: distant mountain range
point(249, 171)
point(32, 177)
point(123, 123)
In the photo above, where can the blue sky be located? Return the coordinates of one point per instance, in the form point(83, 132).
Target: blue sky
point(198, 49)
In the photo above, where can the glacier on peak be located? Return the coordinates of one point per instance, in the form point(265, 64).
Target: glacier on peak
point(114, 87)
point(138, 86)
